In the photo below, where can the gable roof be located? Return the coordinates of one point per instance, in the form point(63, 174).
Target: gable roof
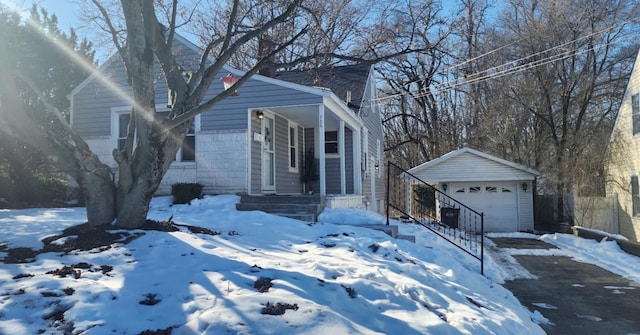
point(323, 81)
point(438, 169)
point(339, 79)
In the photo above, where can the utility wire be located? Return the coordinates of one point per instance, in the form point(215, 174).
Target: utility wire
point(508, 68)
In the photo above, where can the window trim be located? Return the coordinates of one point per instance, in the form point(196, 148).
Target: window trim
point(337, 142)
point(295, 146)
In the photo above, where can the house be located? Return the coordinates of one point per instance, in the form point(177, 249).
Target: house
point(255, 142)
point(500, 189)
point(623, 161)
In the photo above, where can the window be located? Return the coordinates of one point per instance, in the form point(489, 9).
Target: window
point(635, 196)
point(491, 189)
point(506, 190)
point(123, 126)
point(188, 151)
point(460, 190)
point(186, 154)
point(331, 142)
point(474, 189)
point(635, 113)
point(293, 148)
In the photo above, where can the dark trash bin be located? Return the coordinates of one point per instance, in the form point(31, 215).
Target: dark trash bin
point(449, 216)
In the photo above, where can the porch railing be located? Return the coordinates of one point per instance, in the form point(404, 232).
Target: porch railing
point(409, 198)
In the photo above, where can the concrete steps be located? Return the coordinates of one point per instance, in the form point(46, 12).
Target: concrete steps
point(299, 207)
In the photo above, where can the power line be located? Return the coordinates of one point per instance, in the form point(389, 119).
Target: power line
point(507, 68)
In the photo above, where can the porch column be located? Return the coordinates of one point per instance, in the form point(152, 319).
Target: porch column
point(343, 179)
point(357, 161)
point(321, 156)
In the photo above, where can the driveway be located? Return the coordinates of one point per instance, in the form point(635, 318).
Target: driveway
point(577, 298)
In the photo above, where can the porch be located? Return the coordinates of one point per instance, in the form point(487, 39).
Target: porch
point(305, 149)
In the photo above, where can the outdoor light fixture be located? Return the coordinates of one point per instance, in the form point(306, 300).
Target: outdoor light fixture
point(260, 114)
point(228, 81)
point(524, 186)
point(444, 187)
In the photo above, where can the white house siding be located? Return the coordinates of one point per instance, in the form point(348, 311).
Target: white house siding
point(178, 173)
point(485, 184)
point(221, 163)
point(103, 147)
point(525, 207)
point(221, 159)
point(372, 121)
point(469, 167)
point(624, 160)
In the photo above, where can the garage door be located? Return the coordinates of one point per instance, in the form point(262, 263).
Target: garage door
point(498, 202)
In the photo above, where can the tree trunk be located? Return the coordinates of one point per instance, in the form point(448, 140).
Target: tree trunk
point(99, 196)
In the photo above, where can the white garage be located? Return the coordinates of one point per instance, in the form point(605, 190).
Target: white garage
point(500, 189)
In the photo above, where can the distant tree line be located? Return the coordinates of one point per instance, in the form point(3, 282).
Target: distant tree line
point(535, 82)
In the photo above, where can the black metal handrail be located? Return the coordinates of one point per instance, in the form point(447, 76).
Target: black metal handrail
point(410, 198)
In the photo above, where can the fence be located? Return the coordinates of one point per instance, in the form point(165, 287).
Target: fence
point(412, 199)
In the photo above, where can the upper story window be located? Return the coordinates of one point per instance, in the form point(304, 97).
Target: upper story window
point(331, 142)
point(635, 113)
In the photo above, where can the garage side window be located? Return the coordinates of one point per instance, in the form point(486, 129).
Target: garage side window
point(635, 195)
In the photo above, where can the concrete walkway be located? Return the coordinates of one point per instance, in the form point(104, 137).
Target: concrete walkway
point(578, 298)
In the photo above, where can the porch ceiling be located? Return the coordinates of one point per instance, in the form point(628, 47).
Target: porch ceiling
point(307, 116)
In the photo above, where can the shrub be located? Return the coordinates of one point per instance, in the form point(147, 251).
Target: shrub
point(51, 189)
point(183, 193)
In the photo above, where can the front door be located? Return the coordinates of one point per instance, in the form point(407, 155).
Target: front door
point(268, 155)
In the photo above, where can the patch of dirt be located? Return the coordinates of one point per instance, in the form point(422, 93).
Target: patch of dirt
point(150, 299)
point(22, 275)
point(278, 308)
point(200, 230)
point(65, 271)
point(166, 331)
point(85, 237)
point(263, 284)
point(20, 255)
point(350, 291)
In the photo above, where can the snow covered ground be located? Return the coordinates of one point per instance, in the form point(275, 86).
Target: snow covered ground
point(331, 277)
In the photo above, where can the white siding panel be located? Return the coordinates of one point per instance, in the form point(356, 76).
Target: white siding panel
point(525, 199)
point(469, 167)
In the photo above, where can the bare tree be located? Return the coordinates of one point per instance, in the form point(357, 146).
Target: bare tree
point(416, 121)
point(565, 68)
point(144, 41)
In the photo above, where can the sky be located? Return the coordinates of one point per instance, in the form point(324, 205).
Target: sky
point(65, 10)
point(330, 277)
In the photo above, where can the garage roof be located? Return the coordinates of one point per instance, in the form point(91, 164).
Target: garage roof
point(468, 164)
